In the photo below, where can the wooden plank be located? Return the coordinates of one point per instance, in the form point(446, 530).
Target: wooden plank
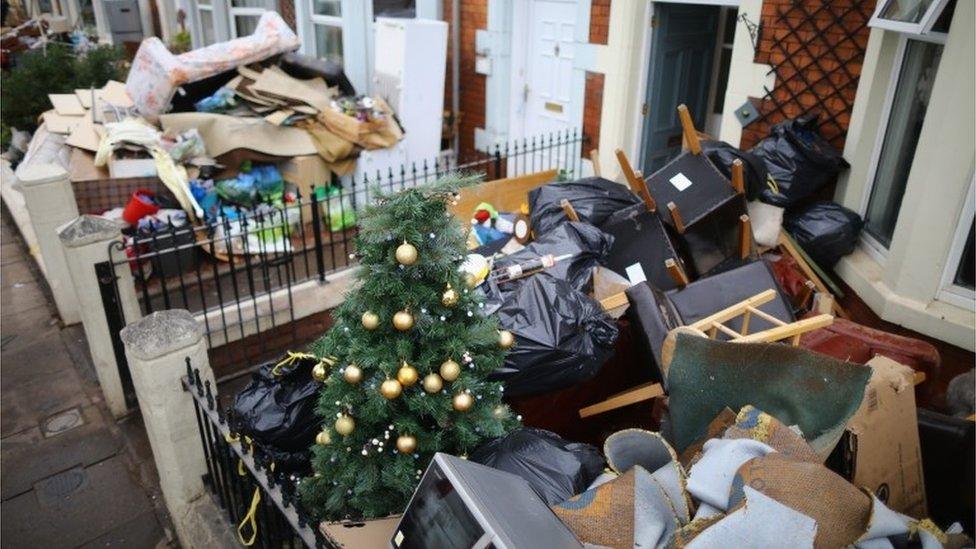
point(595, 159)
point(786, 243)
point(792, 329)
point(738, 178)
point(640, 393)
point(735, 310)
point(628, 171)
point(679, 223)
point(569, 210)
point(676, 272)
point(506, 195)
point(745, 236)
point(612, 302)
point(644, 193)
point(688, 128)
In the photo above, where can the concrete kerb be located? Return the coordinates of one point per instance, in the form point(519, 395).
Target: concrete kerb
point(157, 347)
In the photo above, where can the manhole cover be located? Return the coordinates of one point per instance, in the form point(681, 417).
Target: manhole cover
point(55, 488)
point(61, 422)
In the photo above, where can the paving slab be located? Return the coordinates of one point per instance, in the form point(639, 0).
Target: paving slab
point(29, 456)
point(142, 532)
point(74, 507)
point(25, 363)
point(12, 274)
point(25, 404)
point(26, 296)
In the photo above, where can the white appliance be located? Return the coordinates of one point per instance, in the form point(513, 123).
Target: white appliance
point(409, 72)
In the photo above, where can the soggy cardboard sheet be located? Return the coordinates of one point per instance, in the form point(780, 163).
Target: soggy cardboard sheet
point(223, 133)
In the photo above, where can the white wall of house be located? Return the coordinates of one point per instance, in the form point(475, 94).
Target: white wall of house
point(906, 284)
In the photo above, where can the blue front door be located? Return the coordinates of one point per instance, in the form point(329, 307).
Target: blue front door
point(682, 53)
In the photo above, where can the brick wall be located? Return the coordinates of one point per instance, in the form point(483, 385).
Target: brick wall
point(816, 48)
point(286, 9)
point(593, 93)
point(471, 86)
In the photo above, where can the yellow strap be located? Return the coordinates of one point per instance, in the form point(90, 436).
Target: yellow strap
point(232, 437)
point(250, 517)
point(291, 359)
point(240, 468)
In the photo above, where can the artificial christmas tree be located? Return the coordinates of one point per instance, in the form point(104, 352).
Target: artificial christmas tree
point(411, 351)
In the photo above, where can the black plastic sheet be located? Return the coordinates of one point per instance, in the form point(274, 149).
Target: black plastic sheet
point(278, 411)
point(825, 230)
point(563, 337)
point(799, 160)
point(594, 199)
point(753, 168)
point(586, 244)
point(555, 468)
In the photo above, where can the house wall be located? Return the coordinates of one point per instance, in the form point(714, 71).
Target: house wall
point(904, 287)
point(593, 93)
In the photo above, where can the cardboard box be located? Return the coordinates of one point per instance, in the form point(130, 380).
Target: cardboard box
point(123, 168)
point(881, 448)
point(306, 172)
point(368, 534)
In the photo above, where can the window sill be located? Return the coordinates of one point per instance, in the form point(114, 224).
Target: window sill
point(934, 318)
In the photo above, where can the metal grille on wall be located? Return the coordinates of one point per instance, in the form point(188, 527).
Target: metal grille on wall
point(815, 48)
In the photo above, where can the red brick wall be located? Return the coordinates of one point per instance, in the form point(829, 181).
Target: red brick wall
point(593, 93)
point(599, 21)
point(286, 9)
point(592, 111)
point(818, 65)
point(471, 87)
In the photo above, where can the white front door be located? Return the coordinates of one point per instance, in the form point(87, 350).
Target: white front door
point(549, 79)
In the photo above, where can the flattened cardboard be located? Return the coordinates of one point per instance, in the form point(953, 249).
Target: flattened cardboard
point(223, 133)
point(114, 93)
point(66, 104)
point(85, 97)
point(59, 123)
point(85, 134)
point(361, 535)
point(883, 447)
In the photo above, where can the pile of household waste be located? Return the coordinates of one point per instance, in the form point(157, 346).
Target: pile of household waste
point(701, 293)
point(244, 129)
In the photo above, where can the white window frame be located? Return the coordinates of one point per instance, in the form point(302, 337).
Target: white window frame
point(233, 12)
point(312, 19)
point(871, 245)
point(197, 22)
point(950, 292)
point(921, 28)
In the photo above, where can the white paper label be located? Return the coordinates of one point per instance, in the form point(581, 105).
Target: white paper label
point(398, 539)
point(680, 182)
point(636, 274)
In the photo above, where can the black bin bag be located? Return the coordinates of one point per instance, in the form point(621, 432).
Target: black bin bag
point(594, 199)
point(555, 468)
point(825, 230)
point(277, 411)
point(587, 245)
point(562, 337)
point(753, 168)
point(799, 160)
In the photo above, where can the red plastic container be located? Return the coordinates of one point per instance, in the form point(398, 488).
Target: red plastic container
point(141, 203)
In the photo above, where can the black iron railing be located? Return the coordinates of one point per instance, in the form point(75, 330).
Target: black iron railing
point(263, 506)
point(239, 269)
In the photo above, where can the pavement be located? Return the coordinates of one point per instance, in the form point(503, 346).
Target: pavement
point(70, 474)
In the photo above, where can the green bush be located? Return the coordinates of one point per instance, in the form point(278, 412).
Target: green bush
point(23, 95)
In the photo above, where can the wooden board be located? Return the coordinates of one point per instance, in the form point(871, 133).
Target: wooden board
point(506, 195)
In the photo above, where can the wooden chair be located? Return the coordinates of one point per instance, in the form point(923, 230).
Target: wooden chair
point(710, 327)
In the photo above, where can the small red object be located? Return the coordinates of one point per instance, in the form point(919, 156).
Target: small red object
point(482, 215)
point(141, 203)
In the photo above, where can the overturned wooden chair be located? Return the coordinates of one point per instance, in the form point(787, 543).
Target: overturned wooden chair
point(705, 210)
point(714, 326)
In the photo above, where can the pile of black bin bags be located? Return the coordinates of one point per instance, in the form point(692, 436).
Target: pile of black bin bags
point(787, 169)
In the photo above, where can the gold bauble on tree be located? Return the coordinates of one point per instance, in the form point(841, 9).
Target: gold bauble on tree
point(352, 374)
point(470, 281)
point(370, 320)
point(506, 339)
point(403, 320)
point(390, 389)
point(433, 383)
point(406, 253)
point(345, 425)
point(463, 402)
point(323, 438)
point(407, 375)
point(406, 444)
point(450, 297)
point(319, 372)
point(450, 370)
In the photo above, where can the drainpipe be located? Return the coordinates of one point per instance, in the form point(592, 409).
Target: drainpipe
point(455, 77)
